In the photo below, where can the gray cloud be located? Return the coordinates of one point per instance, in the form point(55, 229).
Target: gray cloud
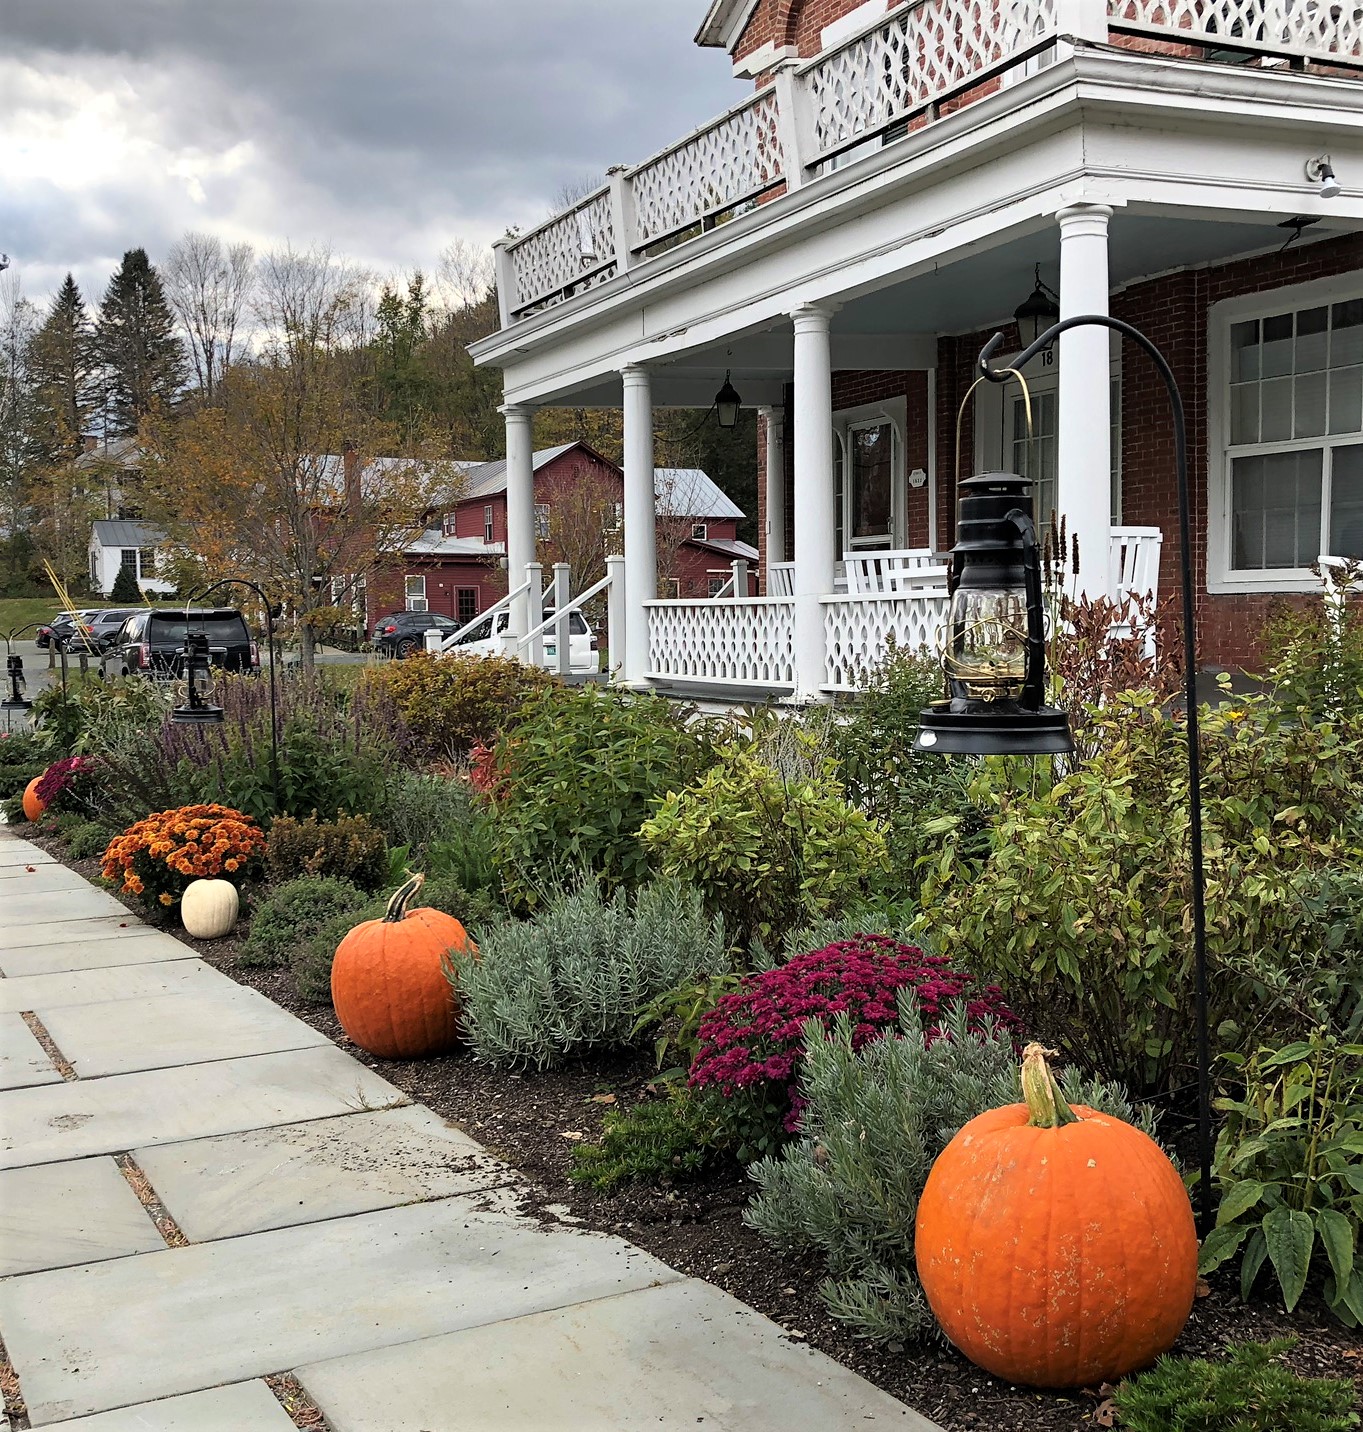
point(383, 128)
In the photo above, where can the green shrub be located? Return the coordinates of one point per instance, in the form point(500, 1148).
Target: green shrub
point(87, 839)
point(453, 702)
point(292, 913)
point(766, 853)
point(580, 775)
point(874, 1121)
point(1315, 663)
point(23, 758)
point(1289, 1170)
point(661, 1139)
point(1250, 1392)
point(576, 976)
point(420, 809)
point(348, 847)
point(1082, 906)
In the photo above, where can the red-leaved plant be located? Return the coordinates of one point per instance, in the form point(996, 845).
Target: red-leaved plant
point(67, 785)
point(751, 1044)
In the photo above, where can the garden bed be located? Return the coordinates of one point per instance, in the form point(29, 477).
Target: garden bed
point(534, 1120)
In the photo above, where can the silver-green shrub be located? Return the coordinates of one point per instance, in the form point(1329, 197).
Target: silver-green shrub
point(874, 1123)
point(577, 975)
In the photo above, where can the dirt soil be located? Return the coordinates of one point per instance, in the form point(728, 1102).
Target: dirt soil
point(534, 1120)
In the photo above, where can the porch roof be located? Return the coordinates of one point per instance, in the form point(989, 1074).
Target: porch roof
point(433, 543)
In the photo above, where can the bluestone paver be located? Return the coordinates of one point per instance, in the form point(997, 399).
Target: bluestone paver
point(243, 1407)
point(43, 906)
point(190, 1318)
point(684, 1355)
point(16, 933)
point(14, 851)
point(112, 982)
point(107, 947)
point(300, 1173)
point(24, 877)
point(162, 1106)
point(57, 1215)
point(23, 1061)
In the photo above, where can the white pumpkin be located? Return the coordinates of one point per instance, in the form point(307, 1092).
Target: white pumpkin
point(208, 908)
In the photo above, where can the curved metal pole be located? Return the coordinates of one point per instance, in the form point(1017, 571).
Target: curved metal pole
point(1044, 340)
point(269, 636)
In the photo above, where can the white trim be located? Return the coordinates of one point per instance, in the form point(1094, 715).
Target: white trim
point(846, 26)
point(1221, 578)
point(895, 412)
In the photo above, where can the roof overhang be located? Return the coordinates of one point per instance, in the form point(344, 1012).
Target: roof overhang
point(723, 26)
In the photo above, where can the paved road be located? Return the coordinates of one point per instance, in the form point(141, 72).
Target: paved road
point(313, 1222)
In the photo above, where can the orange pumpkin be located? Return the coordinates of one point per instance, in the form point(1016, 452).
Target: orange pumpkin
point(1056, 1245)
point(33, 807)
point(388, 981)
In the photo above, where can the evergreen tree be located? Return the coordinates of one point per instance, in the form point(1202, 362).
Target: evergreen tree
point(61, 373)
point(143, 360)
point(125, 591)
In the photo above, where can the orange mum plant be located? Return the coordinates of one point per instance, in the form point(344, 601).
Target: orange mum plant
point(157, 858)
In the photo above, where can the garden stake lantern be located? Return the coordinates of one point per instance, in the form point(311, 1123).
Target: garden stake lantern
point(197, 709)
point(995, 656)
point(15, 699)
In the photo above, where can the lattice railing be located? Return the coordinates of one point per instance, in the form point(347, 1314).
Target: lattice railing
point(1322, 30)
point(749, 642)
point(924, 53)
point(858, 631)
point(724, 165)
point(570, 253)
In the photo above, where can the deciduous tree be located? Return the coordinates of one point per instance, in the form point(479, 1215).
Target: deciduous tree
point(209, 285)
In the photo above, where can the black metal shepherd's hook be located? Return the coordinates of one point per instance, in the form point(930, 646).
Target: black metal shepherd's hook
point(1206, 1208)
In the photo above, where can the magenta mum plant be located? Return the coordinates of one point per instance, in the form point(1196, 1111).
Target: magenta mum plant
point(751, 1043)
point(68, 784)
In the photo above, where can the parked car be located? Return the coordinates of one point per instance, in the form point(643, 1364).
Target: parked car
point(485, 639)
point(151, 643)
point(61, 626)
point(98, 632)
point(402, 633)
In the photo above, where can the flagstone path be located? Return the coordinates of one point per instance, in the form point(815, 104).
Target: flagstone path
point(199, 1191)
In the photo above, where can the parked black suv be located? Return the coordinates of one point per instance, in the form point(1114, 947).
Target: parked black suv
point(405, 632)
point(152, 643)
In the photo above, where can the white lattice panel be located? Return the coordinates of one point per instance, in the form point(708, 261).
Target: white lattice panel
point(1322, 30)
point(724, 643)
point(574, 251)
point(734, 159)
point(858, 631)
point(921, 54)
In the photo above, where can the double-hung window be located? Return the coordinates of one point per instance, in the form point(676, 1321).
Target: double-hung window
point(1292, 433)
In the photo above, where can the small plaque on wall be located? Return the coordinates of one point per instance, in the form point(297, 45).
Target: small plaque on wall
point(918, 477)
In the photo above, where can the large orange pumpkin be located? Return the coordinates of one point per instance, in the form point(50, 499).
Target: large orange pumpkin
point(1056, 1245)
point(33, 807)
point(388, 981)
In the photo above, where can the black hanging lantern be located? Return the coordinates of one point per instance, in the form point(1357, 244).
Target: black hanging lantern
point(727, 404)
point(995, 657)
point(1037, 312)
point(197, 709)
point(15, 699)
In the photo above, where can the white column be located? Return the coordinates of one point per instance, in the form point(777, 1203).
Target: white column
point(1084, 448)
point(520, 508)
point(774, 420)
point(641, 538)
point(814, 526)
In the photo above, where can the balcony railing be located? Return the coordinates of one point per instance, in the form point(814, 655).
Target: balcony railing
point(894, 75)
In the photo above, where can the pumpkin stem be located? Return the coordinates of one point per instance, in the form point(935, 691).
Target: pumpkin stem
point(1045, 1103)
point(402, 897)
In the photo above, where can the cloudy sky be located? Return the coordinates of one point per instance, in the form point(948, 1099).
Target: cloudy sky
point(384, 128)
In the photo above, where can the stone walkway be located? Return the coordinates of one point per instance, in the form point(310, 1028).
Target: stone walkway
point(198, 1191)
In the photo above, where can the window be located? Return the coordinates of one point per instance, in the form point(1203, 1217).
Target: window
point(146, 562)
point(416, 594)
point(467, 604)
point(487, 524)
point(541, 521)
point(617, 517)
point(715, 585)
point(871, 459)
point(674, 588)
point(700, 531)
point(1294, 440)
point(1038, 458)
point(871, 507)
point(449, 527)
point(127, 561)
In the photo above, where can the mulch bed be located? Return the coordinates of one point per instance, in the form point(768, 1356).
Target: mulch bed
point(534, 1120)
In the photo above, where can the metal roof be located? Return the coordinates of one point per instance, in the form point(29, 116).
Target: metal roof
point(434, 543)
point(690, 492)
point(126, 533)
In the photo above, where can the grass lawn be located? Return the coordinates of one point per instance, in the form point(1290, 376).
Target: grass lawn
point(18, 612)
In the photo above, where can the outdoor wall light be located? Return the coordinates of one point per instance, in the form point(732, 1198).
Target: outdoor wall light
point(727, 404)
point(197, 709)
point(1321, 171)
point(15, 700)
point(995, 656)
point(1037, 312)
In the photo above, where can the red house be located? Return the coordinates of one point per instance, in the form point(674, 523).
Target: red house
point(456, 568)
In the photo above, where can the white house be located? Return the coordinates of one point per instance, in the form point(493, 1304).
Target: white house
point(902, 181)
point(127, 545)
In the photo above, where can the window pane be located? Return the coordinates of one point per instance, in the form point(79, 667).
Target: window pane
point(1346, 502)
point(1310, 414)
point(1313, 326)
point(871, 467)
point(1276, 510)
point(1346, 400)
point(1244, 344)
point(1346, 341)
point(1276, 418)
point(1244, 413)
point(1277, 349)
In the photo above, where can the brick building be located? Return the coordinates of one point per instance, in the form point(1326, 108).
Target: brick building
point(905, 179)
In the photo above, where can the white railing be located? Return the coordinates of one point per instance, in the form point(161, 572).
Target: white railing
point(1318, 30)
point(858, 631)
point(571, 253)
point(488, 615)
point(747, 642)
point(562, 609)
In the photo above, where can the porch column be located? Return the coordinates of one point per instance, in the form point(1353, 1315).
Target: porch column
point(640, 525)
point(814, 525)
point(520, 509)
point(1084, 423)
point(774, 422)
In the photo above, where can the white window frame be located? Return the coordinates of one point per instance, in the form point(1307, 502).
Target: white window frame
point(410, 600)
point(488, 528)
point(700, 531)
point(1221, 576)
point(895, 412)
point(543, 517)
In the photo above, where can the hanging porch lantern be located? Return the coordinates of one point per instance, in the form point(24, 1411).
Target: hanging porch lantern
point(995, 647)
point(198, 707)
point(727, 404)
point(14, 698)
point(1037, 312)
